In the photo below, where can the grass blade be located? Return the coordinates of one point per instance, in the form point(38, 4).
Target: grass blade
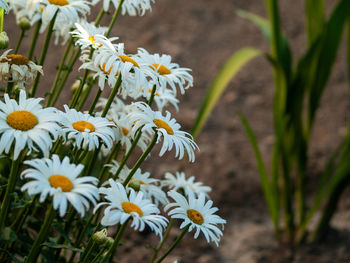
point(228, 71)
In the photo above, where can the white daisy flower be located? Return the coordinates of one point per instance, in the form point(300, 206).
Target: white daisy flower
point(121, 207)
point(167, 72)
point(29, 9)
point(88, 34)
point(68, 11)
point(162, 97)
point(196, 213)
point(130, 7)
point(18, 68)
point(86, 129)
point(179, 181)
point(111, 61)
point(166, 127)
point(149, 186)
point(4, 5)
point(60, 180)
point(27, 125)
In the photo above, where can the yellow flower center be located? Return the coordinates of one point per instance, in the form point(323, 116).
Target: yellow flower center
point(59, 2)
point(129, 207)
point(82, 125)
point(22, 120)
point(125, 131)
point(16, 59)
point(92, 39)
point(195, 216)
point(162, 124)
point(57, 180)
point(162, 70)
point(125, 58)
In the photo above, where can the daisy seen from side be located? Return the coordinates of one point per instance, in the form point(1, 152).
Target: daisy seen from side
point(69, 11)
point(153, 121)
point(26, 124)
point(196, 213)
point(18, 68)
point(165, 72)
point(180, 182)
point(59, 179)
point(121, 207)
point(141, 182)
point(130, 7)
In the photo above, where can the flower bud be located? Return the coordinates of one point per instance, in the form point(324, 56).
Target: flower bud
point(24, 23)
point(135, 184)
point(100, 236)
point(75, 86)
point(4, 40)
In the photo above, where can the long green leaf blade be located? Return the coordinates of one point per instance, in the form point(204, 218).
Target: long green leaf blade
point(228, 71)
point(271, 199)
point(314, 11)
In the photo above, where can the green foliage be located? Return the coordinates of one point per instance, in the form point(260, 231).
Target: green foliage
point(297, 97)
point(228, 71)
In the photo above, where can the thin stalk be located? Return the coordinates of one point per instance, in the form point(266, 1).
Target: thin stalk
point(159, 247)
point(43, 53)
point(60, 68)
point(95, 260)
point(71, 63)
point(99, 17)
point(43, 233)
point(329, 210)
point(98, 94)
point(114, 18)
point(175, 243)
point(19, 40)
point(82, 83)
point(2, 13)
point(12, 180)
point(134, 143)
point(34, 40)
point(85, 95)
point(112, 96)
point(141, 159)
point(115, 243)
point(87, 254)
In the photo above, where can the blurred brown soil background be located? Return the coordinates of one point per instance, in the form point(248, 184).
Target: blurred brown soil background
point(201, 35)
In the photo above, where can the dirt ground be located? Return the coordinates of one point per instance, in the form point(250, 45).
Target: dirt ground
point(201, 35)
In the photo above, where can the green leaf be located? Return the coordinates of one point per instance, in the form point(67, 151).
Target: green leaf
point(284, 56)
point(227, 72)
point(61, 246)
point(329, 42)
point(314, 11)
point(271, 199)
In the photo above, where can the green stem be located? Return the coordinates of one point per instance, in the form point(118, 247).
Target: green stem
point(2, 13)
point(95, 260)
point(115, 243)
point(99, 17)
point(71, 63)
point(34, 40)
point(87, 254)
point(114, 18)
point(156, 251)
point(174, 244)
point(60, 68)
point(44, 52)
point(82, 83)
point(42, 236)
point(12, 180)
point(98, 94)
point(112, 95)
point(141, 159)
point(19, 40)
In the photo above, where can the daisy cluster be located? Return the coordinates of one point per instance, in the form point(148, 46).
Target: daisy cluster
point(77, 162)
